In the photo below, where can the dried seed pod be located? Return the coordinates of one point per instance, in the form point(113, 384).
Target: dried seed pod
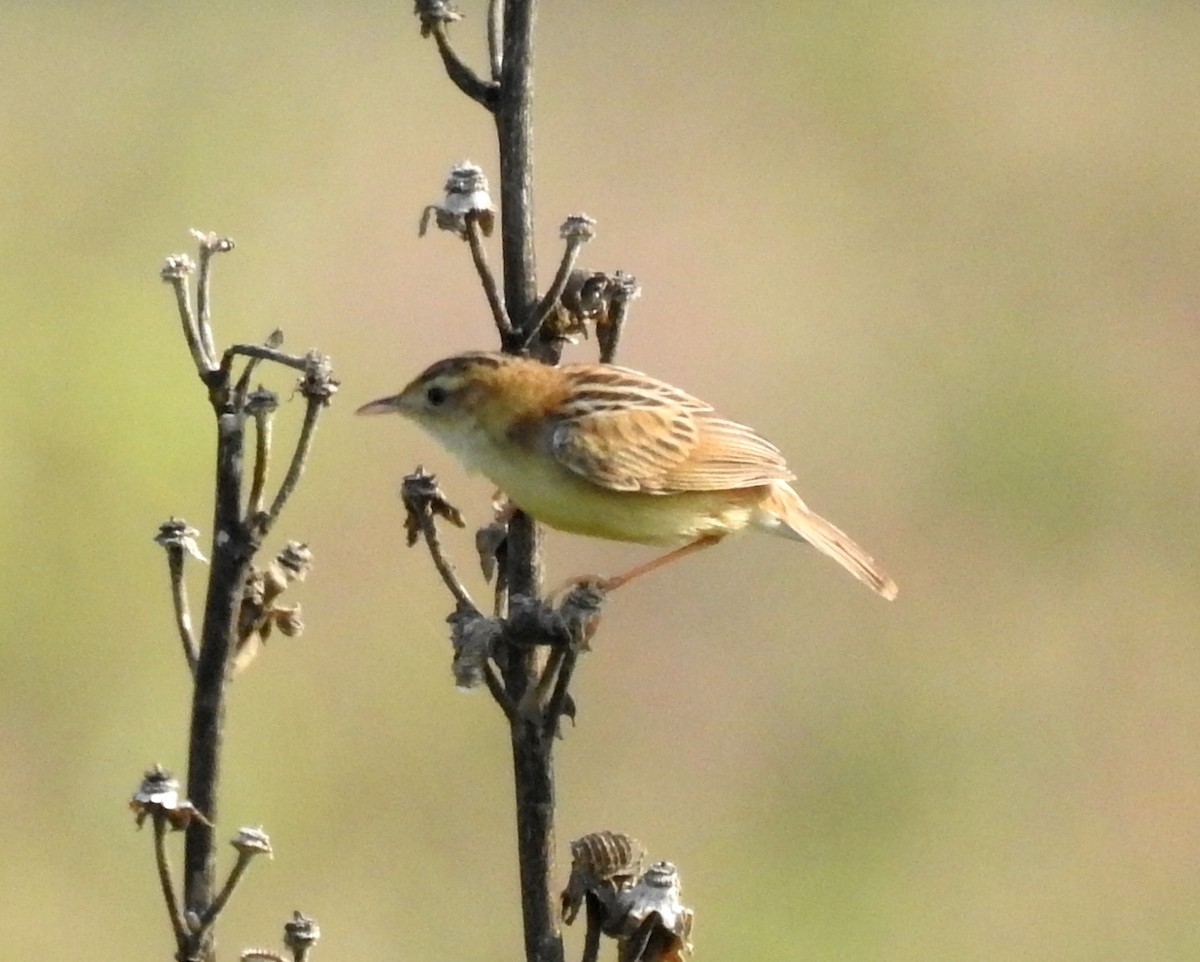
point(158, 795)
point(604, 863)
point(655, 924)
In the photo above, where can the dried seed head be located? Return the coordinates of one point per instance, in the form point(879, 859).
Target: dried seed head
point(300, 934)
point(175, 534)
point(260, 402)
point(466, 198)
point(212, 242)
point(252, 841)
point(295, 561)
point(176, 267)
point(473, 637)
point(434, 12)
point(287, 617)
point(158, 795)
point(604, 863)
point(658, 892)
point(318, 382)
point(578, 227)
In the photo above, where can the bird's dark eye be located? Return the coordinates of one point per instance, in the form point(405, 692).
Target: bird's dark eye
point(436, 395)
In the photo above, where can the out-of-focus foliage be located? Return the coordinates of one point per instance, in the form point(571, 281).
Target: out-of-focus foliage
point(944, 254)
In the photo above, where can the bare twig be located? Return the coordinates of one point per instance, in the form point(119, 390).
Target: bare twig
point(250, 843)
point(299, 459)
point(495, 36)
point(183, 616)
point(263, 353)
point(483, 92)
point(576, 230)
point(488, 279)
point(622, 289)
point(243, 382)
point(175, 272)
point(166, 879)
point(423, 503)
point(210, 244)
point(179, 540)
point(260, 405)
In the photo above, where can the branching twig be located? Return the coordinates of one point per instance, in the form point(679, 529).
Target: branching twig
point(263, 353)
point(175, 272)
point(483, 92)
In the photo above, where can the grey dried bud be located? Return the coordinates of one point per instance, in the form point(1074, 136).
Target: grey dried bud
point(578, 227)
point(175, 534)
point(474, 638)
point(296, 560)
point(466, 198)
point(177, 267)
point(252, 841)
point(580, 612)
point(211, 242)
point(318, 382)
point(656, 897)
point(158, 796)
point(300, 934)
point(275, 338)
point(261, 401)
point(434, 12)
point(423, 501)
point(287, 617)
point(605, 864)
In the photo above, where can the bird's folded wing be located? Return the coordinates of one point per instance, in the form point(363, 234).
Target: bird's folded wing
point(663, 447)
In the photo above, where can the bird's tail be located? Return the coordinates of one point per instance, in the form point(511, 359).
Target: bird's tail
point(785, 514)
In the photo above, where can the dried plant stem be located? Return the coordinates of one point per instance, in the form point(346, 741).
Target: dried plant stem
point(488, 279)
point(233, 548)
point(299, 459)
point(183, 616)
point(481, 91)
point(166, 880)
point(235, 876)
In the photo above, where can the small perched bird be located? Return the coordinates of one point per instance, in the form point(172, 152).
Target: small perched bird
point(605, 451)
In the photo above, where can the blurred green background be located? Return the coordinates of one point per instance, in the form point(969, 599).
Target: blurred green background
point(945, 255)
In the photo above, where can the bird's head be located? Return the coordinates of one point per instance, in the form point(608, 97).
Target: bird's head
point(463, 394)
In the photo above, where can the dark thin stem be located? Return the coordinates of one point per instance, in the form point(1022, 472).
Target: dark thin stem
point(183, 616)
point(488, 279)
point(204, 362)
point(559, 284)
point(264, 353)
point(595, 922)
point(299, 459)
point(262, 460)
point(532, 770)
point(165, 880)
point(495, 34)
point(235, 876)
point(445, 568)
point(496, 687)
point(514, 129)
point(635, 947)
point(233, 548)
point(558, 699)
point(483, 92)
